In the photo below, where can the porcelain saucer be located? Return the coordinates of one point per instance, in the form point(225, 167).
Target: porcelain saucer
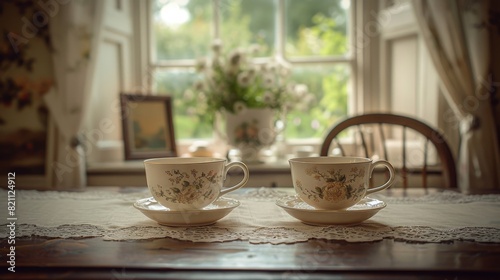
point(358, 213)
point(202, 217)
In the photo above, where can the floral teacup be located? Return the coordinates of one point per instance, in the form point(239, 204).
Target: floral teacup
point(182, 183)
point(335, 183)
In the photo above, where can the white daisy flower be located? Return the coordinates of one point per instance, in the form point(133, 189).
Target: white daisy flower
point(243, 79)
point(301, 89)
point(268, 80)
point(268, 97)
point(239, 107)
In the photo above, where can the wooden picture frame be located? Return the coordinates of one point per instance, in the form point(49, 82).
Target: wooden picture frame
point(147, 126)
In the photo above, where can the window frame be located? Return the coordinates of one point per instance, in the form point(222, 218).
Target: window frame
point(354, 59)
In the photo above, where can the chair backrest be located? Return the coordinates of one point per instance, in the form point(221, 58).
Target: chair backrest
point(401, 140)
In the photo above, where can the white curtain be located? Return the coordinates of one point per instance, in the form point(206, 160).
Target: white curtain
point(456, 35)
point(74, 29)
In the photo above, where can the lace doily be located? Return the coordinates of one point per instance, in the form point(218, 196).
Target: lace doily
point(439, 217)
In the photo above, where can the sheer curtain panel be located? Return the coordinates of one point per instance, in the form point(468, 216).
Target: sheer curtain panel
point(74, 29)
point(456, 35)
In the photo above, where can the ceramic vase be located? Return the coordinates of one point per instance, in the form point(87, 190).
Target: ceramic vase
point(250, 131)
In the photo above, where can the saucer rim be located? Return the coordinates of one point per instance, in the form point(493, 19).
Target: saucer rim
point(167, 217)
point(234, 203)
point(340, 211)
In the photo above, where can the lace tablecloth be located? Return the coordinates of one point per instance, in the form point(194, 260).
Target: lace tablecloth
point(438, 217)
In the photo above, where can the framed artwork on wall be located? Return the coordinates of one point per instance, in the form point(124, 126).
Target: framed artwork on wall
point(147, 126)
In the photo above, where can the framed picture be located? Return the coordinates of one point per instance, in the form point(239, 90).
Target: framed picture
point(148, 130)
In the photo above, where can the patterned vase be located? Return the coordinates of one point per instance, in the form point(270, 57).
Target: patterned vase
point(251, 131)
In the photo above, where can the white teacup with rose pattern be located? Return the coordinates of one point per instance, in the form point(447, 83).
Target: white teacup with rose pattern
point(335, 183)
point(190, 183)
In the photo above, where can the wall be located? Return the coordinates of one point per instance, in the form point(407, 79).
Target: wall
point(409, 81)
point(115, 74)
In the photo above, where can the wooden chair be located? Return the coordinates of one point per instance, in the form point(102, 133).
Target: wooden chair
point(401, 140)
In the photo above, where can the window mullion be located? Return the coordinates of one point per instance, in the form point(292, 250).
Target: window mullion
point(216, 19)
point(280, 29)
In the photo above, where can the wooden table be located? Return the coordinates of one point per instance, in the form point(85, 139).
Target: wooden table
point(94, 258)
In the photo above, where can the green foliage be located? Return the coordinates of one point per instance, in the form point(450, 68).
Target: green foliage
point(329, 85)
point(179, 42)
point(235, 31)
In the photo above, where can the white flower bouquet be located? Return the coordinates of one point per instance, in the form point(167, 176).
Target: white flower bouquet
point(234, 82)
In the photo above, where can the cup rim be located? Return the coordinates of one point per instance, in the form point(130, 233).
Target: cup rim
point(183, 160)
point(331, 160)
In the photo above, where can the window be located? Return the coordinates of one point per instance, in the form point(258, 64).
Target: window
point(313, 36)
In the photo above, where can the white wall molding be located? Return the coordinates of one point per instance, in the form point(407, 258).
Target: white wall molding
point(408, 82)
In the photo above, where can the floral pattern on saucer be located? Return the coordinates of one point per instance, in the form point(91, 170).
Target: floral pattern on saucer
point(192, 186)
point(333, 185)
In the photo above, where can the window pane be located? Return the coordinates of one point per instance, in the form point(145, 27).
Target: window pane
point(246, 22)
point(330, 86)
point(182, 28)
point(187, 124)
point(316, 30)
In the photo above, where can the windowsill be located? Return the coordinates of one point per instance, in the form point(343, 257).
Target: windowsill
point(110, 160)
point(137, 167)
point(132, 173)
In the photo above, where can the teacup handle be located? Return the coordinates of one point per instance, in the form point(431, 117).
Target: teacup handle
point(241, 183)
point(387, 184)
